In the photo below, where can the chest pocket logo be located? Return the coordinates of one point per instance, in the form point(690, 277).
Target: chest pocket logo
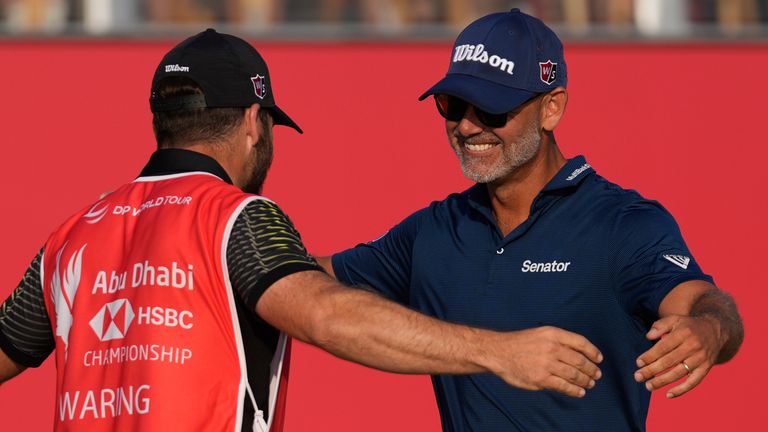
point(545, 267)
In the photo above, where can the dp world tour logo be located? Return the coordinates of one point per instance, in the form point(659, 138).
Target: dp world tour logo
point(63, 290)
point(548, 72)
point(112, 320)
point(259, 86)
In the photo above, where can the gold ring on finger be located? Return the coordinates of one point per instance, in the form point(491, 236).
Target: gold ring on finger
point(687, 368)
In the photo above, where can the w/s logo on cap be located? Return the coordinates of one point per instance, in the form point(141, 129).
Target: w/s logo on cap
point(259, 86)
point(548, 71)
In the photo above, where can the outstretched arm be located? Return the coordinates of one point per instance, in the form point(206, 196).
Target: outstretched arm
point(700, 327)
point(363, 327)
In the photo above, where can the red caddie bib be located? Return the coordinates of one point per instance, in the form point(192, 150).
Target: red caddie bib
point(143, 312)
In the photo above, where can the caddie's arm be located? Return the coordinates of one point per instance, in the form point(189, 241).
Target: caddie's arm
point(361, 326)
point(699, 327)
point(289, 290)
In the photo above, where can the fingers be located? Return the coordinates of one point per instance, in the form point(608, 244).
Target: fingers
point(659, 350)
point(697, 374)
point(563, 386)
point(673, 374)
point(581, 363)
point(662, 327)
point(661, 357)
point(572, 375)
point(580, 344)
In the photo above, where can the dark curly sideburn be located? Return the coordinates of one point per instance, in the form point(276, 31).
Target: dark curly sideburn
point(184, 127)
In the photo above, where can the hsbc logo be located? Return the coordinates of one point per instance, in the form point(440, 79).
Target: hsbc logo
point(113, 320)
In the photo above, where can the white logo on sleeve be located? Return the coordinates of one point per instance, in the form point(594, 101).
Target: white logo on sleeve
point(545, 267)
point(678, 260)
point(96, 213)
point(63, 290)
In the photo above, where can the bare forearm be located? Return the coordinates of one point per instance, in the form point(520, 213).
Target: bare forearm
point(720, 307)
point(399, 340)
point(363, 327)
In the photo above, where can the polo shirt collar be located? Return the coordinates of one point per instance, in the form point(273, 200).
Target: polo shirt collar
point(176, 161)
point(570, 176)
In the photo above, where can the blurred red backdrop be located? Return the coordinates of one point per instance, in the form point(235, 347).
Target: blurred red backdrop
point(681, 123)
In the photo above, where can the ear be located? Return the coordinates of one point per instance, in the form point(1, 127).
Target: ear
point(553, 108)
point(252, 125)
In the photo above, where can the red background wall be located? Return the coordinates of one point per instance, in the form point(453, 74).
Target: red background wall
point(681, 123)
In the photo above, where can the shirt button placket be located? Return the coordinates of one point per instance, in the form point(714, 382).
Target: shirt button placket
point(493, 268)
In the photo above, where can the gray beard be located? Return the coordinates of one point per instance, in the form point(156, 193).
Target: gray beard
point(513, 156)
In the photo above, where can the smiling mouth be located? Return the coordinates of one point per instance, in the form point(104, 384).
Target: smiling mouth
point(478, 147)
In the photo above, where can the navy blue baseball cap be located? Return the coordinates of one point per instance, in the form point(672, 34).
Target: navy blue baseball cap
point(502, 60)
point(229, 70)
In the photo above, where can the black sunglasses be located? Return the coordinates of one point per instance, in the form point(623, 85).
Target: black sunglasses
point(453, 108)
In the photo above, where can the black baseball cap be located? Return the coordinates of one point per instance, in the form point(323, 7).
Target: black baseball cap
point(229, 70)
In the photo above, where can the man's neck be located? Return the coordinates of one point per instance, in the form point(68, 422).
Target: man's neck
point(511, 197)
point(222, 153)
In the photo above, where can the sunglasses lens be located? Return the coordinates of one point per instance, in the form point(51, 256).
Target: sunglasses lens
point(491, 120)
point(453, 109)
point(450, 107)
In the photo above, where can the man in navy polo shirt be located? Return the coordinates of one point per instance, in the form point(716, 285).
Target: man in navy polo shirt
point(539, 241)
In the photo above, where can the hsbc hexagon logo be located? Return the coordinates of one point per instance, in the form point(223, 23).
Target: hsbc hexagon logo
point(113, 320)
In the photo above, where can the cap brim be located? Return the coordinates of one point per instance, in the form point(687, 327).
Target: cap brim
point(281, 118)
point(487, 95)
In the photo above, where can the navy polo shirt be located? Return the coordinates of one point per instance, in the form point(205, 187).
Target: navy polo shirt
point(591, 258)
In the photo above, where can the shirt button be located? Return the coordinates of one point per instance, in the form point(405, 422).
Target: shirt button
point(500, 251)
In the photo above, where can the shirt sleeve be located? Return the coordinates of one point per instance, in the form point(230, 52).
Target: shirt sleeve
point(263, 248)
point(25, 329)
point(383, 264)
point(652, 259)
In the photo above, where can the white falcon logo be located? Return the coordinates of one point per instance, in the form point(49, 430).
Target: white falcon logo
point(63, 290)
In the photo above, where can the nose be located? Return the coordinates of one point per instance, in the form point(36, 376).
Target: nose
point(469, 124)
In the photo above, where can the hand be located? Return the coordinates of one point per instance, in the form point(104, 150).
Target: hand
point(691, 341)
point(548, 358)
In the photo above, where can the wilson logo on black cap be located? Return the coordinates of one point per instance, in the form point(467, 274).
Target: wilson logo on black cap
point(176, 68)
point(259, 86)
